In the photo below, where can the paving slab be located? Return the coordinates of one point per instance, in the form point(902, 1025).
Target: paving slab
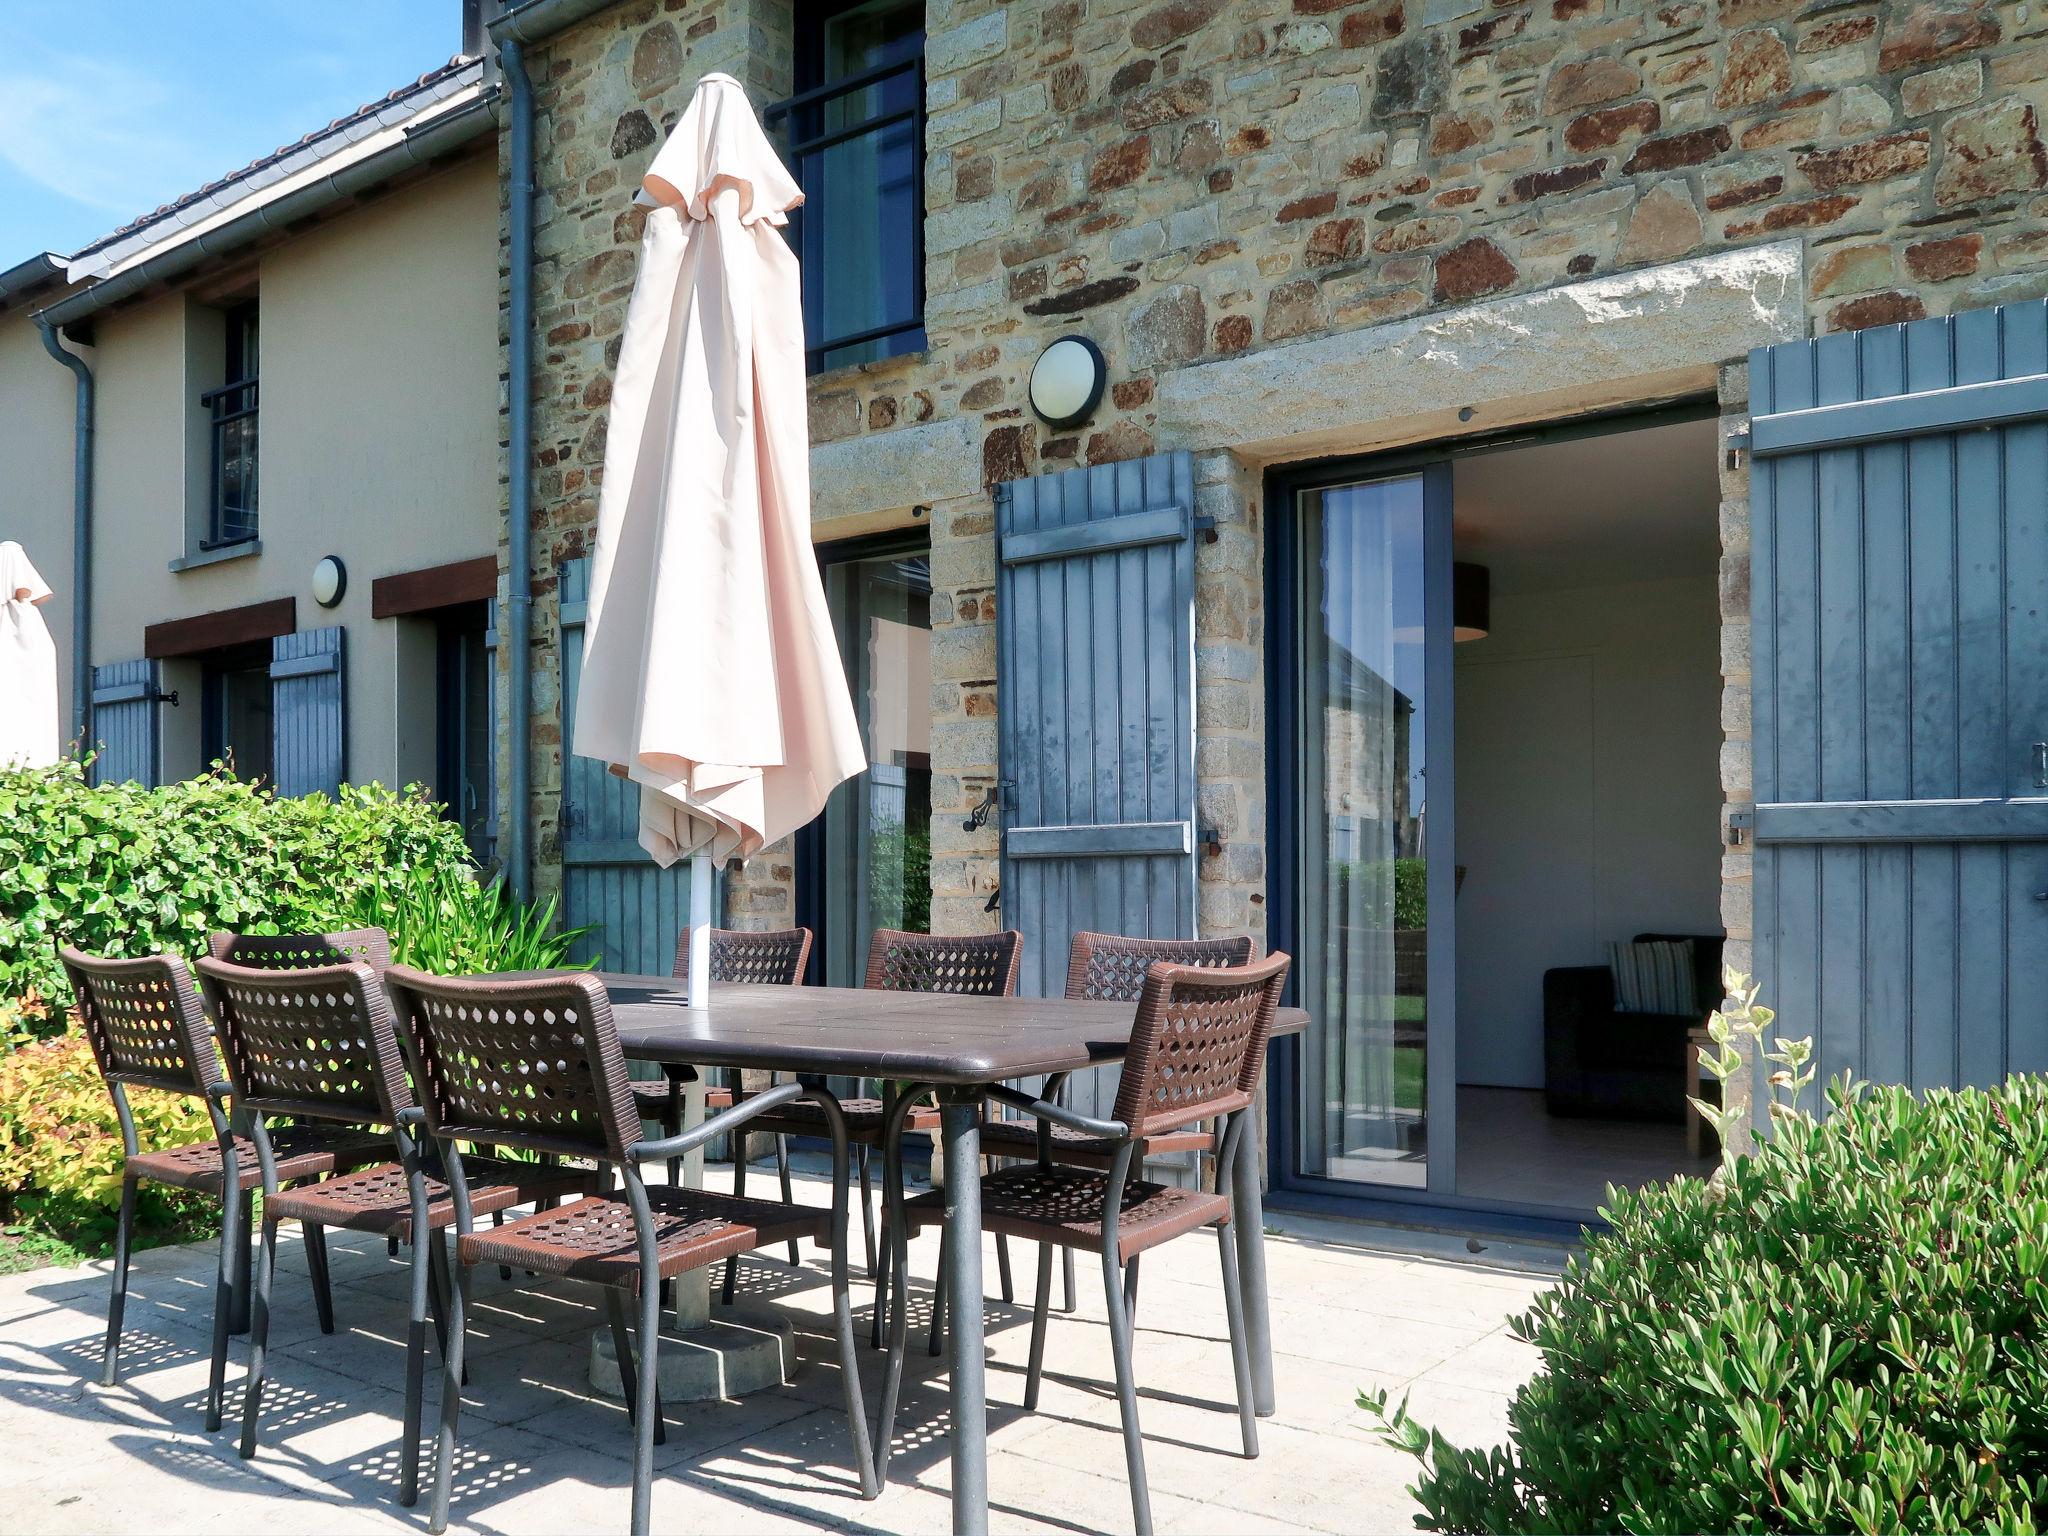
point(1354, 1307)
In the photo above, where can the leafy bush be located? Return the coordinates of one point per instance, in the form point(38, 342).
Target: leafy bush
point(60, 1143)
point(1845, 1330)
point(441, 919)
point(121, 870)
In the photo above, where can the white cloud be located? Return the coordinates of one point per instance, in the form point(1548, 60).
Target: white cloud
point(99, 132)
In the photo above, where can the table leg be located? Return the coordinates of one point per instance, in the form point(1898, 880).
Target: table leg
point(1249, 1216)
point(960, 1127)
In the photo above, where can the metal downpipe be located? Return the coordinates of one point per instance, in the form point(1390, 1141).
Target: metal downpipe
point(519, 475)
point(81, 536)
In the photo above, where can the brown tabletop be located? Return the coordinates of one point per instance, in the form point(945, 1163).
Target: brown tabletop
point(851, 1032)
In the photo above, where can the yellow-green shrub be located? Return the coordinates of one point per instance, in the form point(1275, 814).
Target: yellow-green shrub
point(60, 1140)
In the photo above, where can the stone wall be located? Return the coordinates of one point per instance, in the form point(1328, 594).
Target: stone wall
point(1197, 182)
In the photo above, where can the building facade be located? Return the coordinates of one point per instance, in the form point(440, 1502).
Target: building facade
point(1355, 239)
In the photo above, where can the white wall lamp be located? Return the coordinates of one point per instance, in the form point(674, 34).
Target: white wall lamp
point(330, 581)
point(1067, 381)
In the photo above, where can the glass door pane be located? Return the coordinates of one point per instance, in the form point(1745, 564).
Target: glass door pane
point(876, 864)
point(1363, 1114)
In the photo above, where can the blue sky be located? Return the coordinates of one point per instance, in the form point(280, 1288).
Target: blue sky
point(109, 108)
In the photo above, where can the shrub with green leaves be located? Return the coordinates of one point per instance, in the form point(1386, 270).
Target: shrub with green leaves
point(121, 870)
point(1845, 1331)
point(445, 921)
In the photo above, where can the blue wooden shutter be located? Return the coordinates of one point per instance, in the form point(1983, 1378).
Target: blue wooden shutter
point(309, 736)
point(125, 706)
point(1900, 660)
point(608, 880)
point(1095, 601)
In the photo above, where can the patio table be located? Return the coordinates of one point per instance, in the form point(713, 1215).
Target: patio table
point(960, 1045)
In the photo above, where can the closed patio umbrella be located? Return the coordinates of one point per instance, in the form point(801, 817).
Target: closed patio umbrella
point(28, 665)
point(710, 673)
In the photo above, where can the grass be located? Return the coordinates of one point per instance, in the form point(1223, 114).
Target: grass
point(25, 1248)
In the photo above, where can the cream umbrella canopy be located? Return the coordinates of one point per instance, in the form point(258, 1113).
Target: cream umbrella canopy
point(710, 673)
point(28, 665)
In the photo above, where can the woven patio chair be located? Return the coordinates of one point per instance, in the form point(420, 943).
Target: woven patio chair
point(1197, 1049)
point(1102, 967)
point(302, 951)
point(534, 1063)
point(978, 965)
point(773, 959)
point(317, 1043)
point(147, 1029)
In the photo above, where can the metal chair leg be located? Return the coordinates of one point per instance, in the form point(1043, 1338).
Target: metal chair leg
point(672, 1125)
point(739, 1190)
point(416, 1369)
point(259, 1340)
point(629, 1376)
point(437, 1294)
point(1126, 1392)
point(316, 1266)
point(649, 1430)
point(867, 1211)
point(1035, 1372)
point(1009, 1287)
point(782, 1167)
point(117, 1301)
point(1240, 1348)
point(223, 1308)
point(1067, 1263)
point(935, 1336)
point(1131, 1291)
point(451, 1399)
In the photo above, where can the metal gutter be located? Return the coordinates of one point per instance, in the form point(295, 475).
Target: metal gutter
point(537, 20)
point(519, 326)
point(81, 534)
point(419, 147)
point(33, 273)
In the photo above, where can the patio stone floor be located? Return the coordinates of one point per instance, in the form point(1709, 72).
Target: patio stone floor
point(539, 1452)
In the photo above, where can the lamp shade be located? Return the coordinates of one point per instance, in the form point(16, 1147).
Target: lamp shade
point(1066, 381)
point(1471, 601)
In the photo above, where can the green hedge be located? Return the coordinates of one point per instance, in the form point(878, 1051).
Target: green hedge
point(121, 870)
point(1845, 1331)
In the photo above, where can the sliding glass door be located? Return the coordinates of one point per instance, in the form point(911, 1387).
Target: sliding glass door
point(1366, 716)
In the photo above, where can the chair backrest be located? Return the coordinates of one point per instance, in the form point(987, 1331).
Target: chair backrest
point(773, 959)
point(1107, 967)
point(144, 1021)
point(530, 1062)
point(303, 951)
point(980, 965)
point(1198, 1044)
point(316, 1043)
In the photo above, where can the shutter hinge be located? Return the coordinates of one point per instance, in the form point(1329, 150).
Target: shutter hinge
point(1741, 826)
point(1209, 840)
point(1206, 527)
point(1738, 445)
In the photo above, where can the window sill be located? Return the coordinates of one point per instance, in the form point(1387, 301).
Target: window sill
point(239, 550)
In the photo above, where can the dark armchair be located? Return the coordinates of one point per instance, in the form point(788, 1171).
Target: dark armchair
point(1620, 1066)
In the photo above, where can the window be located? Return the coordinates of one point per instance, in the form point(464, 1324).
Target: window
point(866, 863)
point(236, 712)
point(231, 504)
point(462, 726)
point(854, 135)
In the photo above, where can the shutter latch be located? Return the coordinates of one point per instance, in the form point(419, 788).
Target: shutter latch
point(990, 803)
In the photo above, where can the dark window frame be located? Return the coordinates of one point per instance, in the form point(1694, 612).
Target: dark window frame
point(229, 407)
point(216, 667)
point(796, 121)
point(460, 631)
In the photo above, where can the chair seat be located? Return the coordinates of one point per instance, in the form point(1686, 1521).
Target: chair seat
point(1064, 1206)
point(1019, 1138)
point(865, 1121)
point(302, 1152)
point(650, 1099)
point(376, 1199)
point(594, 1239)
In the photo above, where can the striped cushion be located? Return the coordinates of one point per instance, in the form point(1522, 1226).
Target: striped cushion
point(1656, 977)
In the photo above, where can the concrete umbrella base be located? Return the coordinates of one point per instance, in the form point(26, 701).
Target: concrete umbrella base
point(741, 1349)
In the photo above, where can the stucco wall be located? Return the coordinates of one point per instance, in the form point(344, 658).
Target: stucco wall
point(36, 406)
point(380, 392)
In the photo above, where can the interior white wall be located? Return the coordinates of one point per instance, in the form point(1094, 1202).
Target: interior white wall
point(1588, 797)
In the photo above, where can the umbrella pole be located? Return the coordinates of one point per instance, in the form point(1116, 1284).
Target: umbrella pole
point(700, 930)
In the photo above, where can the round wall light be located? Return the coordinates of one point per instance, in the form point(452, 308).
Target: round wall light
point(1067, 380)
point(330, 581)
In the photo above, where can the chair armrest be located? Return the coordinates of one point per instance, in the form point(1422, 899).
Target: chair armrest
point(1059, 1114)
point(725, 1120)
point(221, 1091)
point(413, 1117)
